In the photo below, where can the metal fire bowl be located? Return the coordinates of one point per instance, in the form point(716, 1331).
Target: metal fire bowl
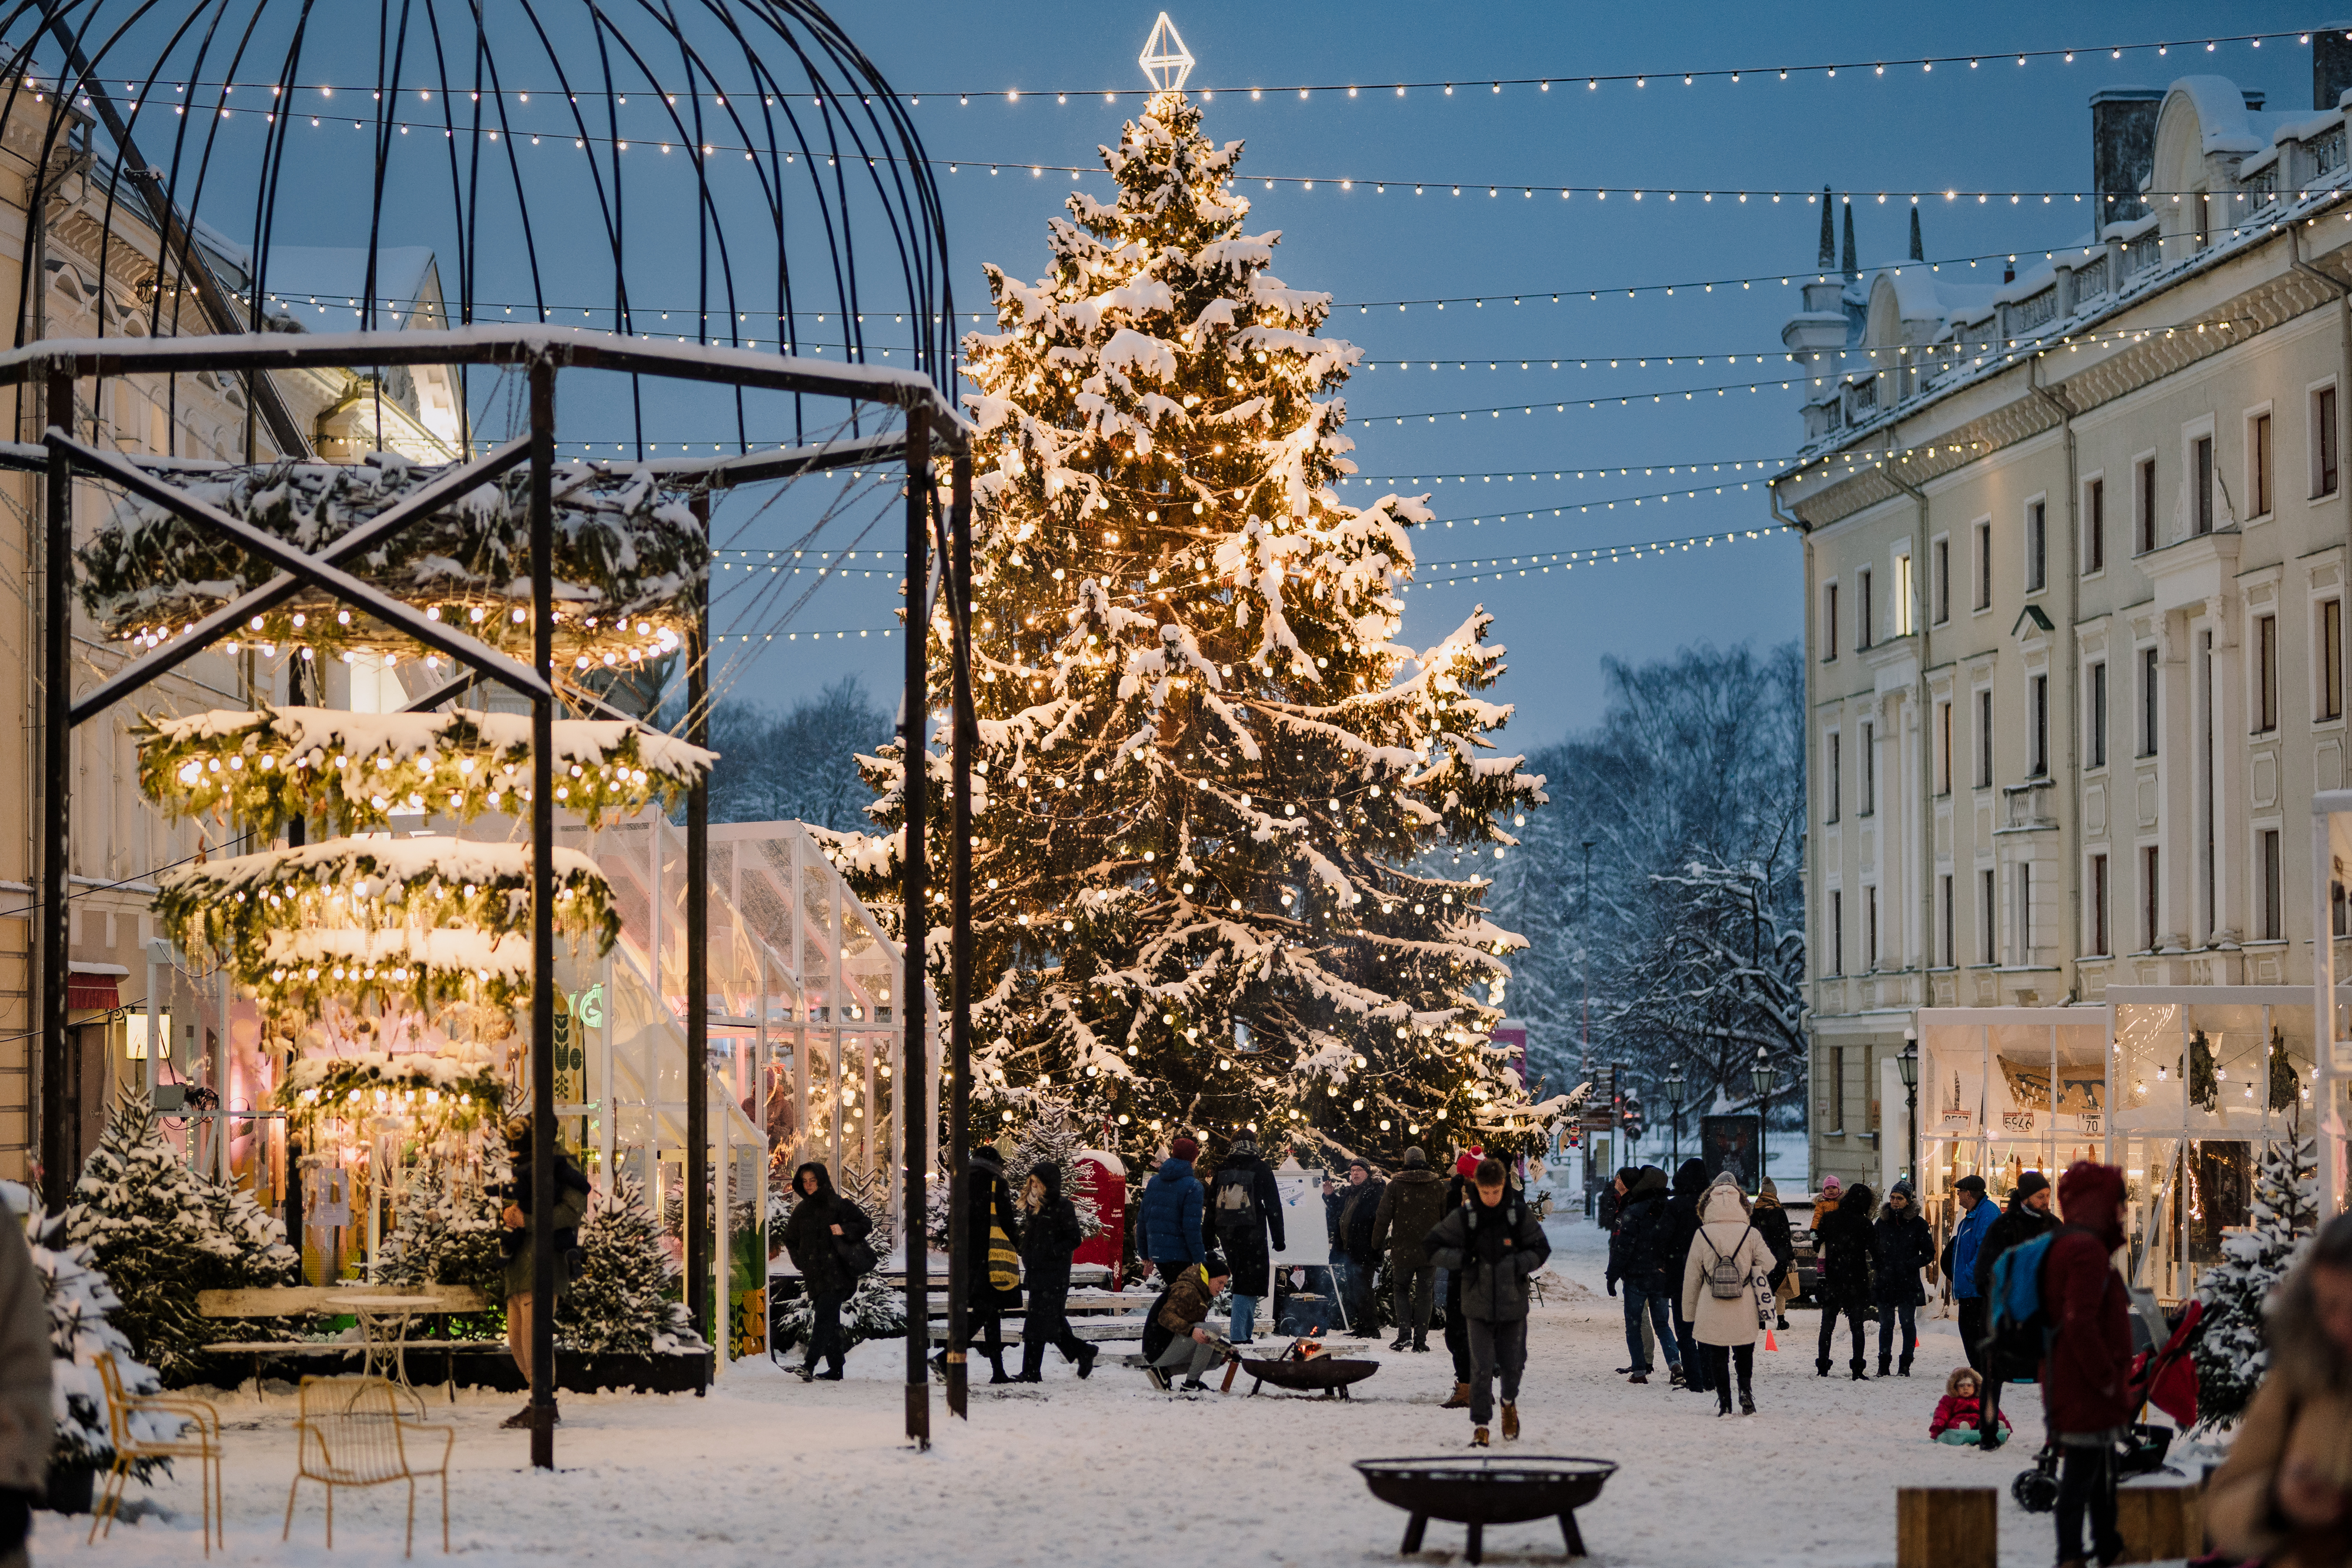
point(1319, 1374)
point(1491, 1490)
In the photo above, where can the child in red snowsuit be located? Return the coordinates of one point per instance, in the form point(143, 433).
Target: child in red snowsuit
point(1958, 1411)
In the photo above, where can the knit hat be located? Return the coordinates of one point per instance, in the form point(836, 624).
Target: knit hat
point(1415, 1158)
point(1465, 1166)
point(1214, 1265)
point(1184, 1146)
point(1245, 1139)
point(1831, 1184)
point(1359, 1163)
point(1769, 1190)
point(2028, 1185)
point(1971, 1182)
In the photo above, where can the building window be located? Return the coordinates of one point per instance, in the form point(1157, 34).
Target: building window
point(2038, 693)
point(2265, 673)
point(1836, 1117)
point(2201, 478)
point(2149, 901)
point(1944, 749)
point(2099, 905)
point(2094, 526)
point(2025, 912)
point(1861, 610)
point(1829, 784)
point(1903, 627)
point(2273, 889)
point(1869, 930)
point(2323, 441)
point(1943, 580)
point(2258, 458)
point(2098, 715)
point(2148, 703)
point(1829, 620)
point(1984, 739)
point(2144, 506)
point(1984, 916)
point(1947, 890)
point(1868, 759)
point(1837, 932)
point(2331, 658)
point(1984, 566)
point(2037, 547)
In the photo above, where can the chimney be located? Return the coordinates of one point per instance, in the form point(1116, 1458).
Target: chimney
point(1829, 234)
point(2122, 149)
point(2331, 65)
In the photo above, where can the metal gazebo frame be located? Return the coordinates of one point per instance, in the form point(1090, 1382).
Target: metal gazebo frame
point(930, 427)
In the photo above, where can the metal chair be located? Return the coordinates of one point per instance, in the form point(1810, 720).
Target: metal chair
point(351, 1435)
point(196, 1435)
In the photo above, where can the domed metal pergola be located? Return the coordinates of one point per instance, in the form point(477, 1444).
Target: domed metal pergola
point(687, 200)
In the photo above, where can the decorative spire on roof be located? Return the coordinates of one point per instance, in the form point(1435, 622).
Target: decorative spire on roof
point(1829, 234)
point(1852, 269)
point(1918, 249)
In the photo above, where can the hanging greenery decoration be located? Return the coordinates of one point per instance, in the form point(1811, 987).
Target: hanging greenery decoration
point(628, 553)
point(442, 1094)
point(2287, 1087)
point(265, 769)
point(2204, 1083)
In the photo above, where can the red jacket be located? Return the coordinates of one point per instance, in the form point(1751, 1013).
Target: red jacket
point(2086, 1375)
point(1955, 1411)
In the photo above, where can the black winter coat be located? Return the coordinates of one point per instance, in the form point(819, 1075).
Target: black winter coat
point(1358, 1205)
point(2017, 1224)
point(1049, 1237)
point(1638, 1252)
point(1905, 1246)
point(1848, 1249)
point(1691, 1180)
point(1772, 1224)
point(1241, 1234)
point(1491, 1251)
point(809, 1239)
point(989, 1201)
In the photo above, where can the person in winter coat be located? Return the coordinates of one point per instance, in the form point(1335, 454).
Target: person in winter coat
point(2027, 1216)
point(1728, 1245)
point(2087, 1392)
point(27, 1431)
point(1359, 1208)
point(1977, 1215)
point(1612, 1207)
point(991, 1228)
point(1905, 1246)
point(1960, 1408)
point(1409, 1210)
point(1613, 1198)
point(821, 1226)
point(1826, 1203)
point(1243, 1206)
point(1772, 1224)
point(515, 1246)
point(1183, 1311)
point(1682, 1224)
point(1641, 1261)
point(1495, 1244)
point(1168, 1217)
point(2285, 1494)
point(1050, 1232)
point(1848, 1252)
point(1449, 1295)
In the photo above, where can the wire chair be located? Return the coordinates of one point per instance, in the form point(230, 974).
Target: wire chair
point(196, 1429)
point(351, 1435)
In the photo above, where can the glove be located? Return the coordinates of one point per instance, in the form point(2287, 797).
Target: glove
point(1613, 1284)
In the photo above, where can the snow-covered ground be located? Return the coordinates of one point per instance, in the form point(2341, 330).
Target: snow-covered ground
point(769, 1469)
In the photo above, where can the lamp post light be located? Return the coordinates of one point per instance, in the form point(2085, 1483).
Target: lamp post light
point(1766, 1079)
point(1908, 1065)
point(1674, 1088)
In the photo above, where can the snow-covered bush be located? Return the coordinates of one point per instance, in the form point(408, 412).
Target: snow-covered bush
point(79, 1299)
point(625, 1302)
point(449, 1234)
point(2229, 1354)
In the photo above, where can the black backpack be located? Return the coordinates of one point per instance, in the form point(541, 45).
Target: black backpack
point(1234, 1199)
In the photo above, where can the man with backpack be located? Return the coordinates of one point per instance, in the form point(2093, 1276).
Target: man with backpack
point(1493, 1244)
point(2086, 1371)
point(1409, 1210)
point(2007, 1356)
point(1244, 1203)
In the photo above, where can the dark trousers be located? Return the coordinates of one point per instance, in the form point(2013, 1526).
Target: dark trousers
point(2088, 1480)
point(1830, 1313)
point(984, 1332)
point(1695, 1366)
point(1457, 1328)
point(1047, 1322)
point(1722, 1360)
point(1888, 1313)
point(1356, 1294)
point(827, 1343)
point(1988, 1405)
point(1973, 1312)
point(1416, 1293)
point(1641, 1309)
point(1495, 1346)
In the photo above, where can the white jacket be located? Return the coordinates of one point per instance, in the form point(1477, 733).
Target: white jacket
point(1724, 1232)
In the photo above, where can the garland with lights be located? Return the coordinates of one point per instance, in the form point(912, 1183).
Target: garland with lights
point(626, 555)
point(441, 1094)
point(1208, 778)
point(265, 770)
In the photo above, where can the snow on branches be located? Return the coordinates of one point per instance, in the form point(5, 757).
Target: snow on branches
point(1210, 774)
point(2229, 1351)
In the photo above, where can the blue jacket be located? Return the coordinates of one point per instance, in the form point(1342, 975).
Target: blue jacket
point(1967, 1237)
point(1171, 1214)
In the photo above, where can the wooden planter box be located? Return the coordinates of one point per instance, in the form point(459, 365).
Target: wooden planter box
point(2159, 1523)
point(1947, 1527)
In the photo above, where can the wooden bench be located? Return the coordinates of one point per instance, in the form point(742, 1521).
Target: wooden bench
point(321, 1301)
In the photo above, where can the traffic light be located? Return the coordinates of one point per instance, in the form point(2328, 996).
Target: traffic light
point(1629, 1119)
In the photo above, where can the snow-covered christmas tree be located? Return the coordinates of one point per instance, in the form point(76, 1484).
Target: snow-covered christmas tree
point(2229, 1352)
point(1213, 778)
point(1053, 1135)
point(161, 1233)
point(79, 1299)
point(625, 1300)
point(449, 1233)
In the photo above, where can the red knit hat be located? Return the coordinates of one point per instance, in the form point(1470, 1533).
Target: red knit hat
point(1184, 1146)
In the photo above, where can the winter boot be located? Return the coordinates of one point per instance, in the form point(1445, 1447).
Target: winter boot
point(831, 1372)
point(1478, 1437)
point(1747, 1402)
point(1821, 1368)
point(1086, 1353)
point(1886, 1367)
point(1421, 1341)
point(1460, 1398)
point(520, 1420)
point(1402, 1340)
point(805, 1371)
point(1510, 1422)
point(1723, 1400)
point(1784, 1322)
point(1903, 1368)
point(1860, 1376)
point(1674, 1377)
point(1639, 1377)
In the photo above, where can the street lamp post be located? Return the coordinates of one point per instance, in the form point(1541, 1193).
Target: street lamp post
point(1765, 1077)
point(1908, 1065)
point(1674, 1088)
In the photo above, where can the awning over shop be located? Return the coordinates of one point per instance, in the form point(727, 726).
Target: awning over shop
point(94, 988)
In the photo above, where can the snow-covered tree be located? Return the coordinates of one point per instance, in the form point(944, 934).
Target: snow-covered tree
point(161, 1233)
point(1053, 1135)
point(624, 1299)
point(450, 1233)
point(2229, 1351)
point(80, 1300)
point(1211, 769)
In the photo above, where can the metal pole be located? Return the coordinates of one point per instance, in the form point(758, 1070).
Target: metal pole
point(543, 919)
point(966, 724)
point(911, 1010)
point(698, 964)
point(60, 1082)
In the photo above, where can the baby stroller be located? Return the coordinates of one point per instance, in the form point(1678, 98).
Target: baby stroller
point(2162, 1375)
